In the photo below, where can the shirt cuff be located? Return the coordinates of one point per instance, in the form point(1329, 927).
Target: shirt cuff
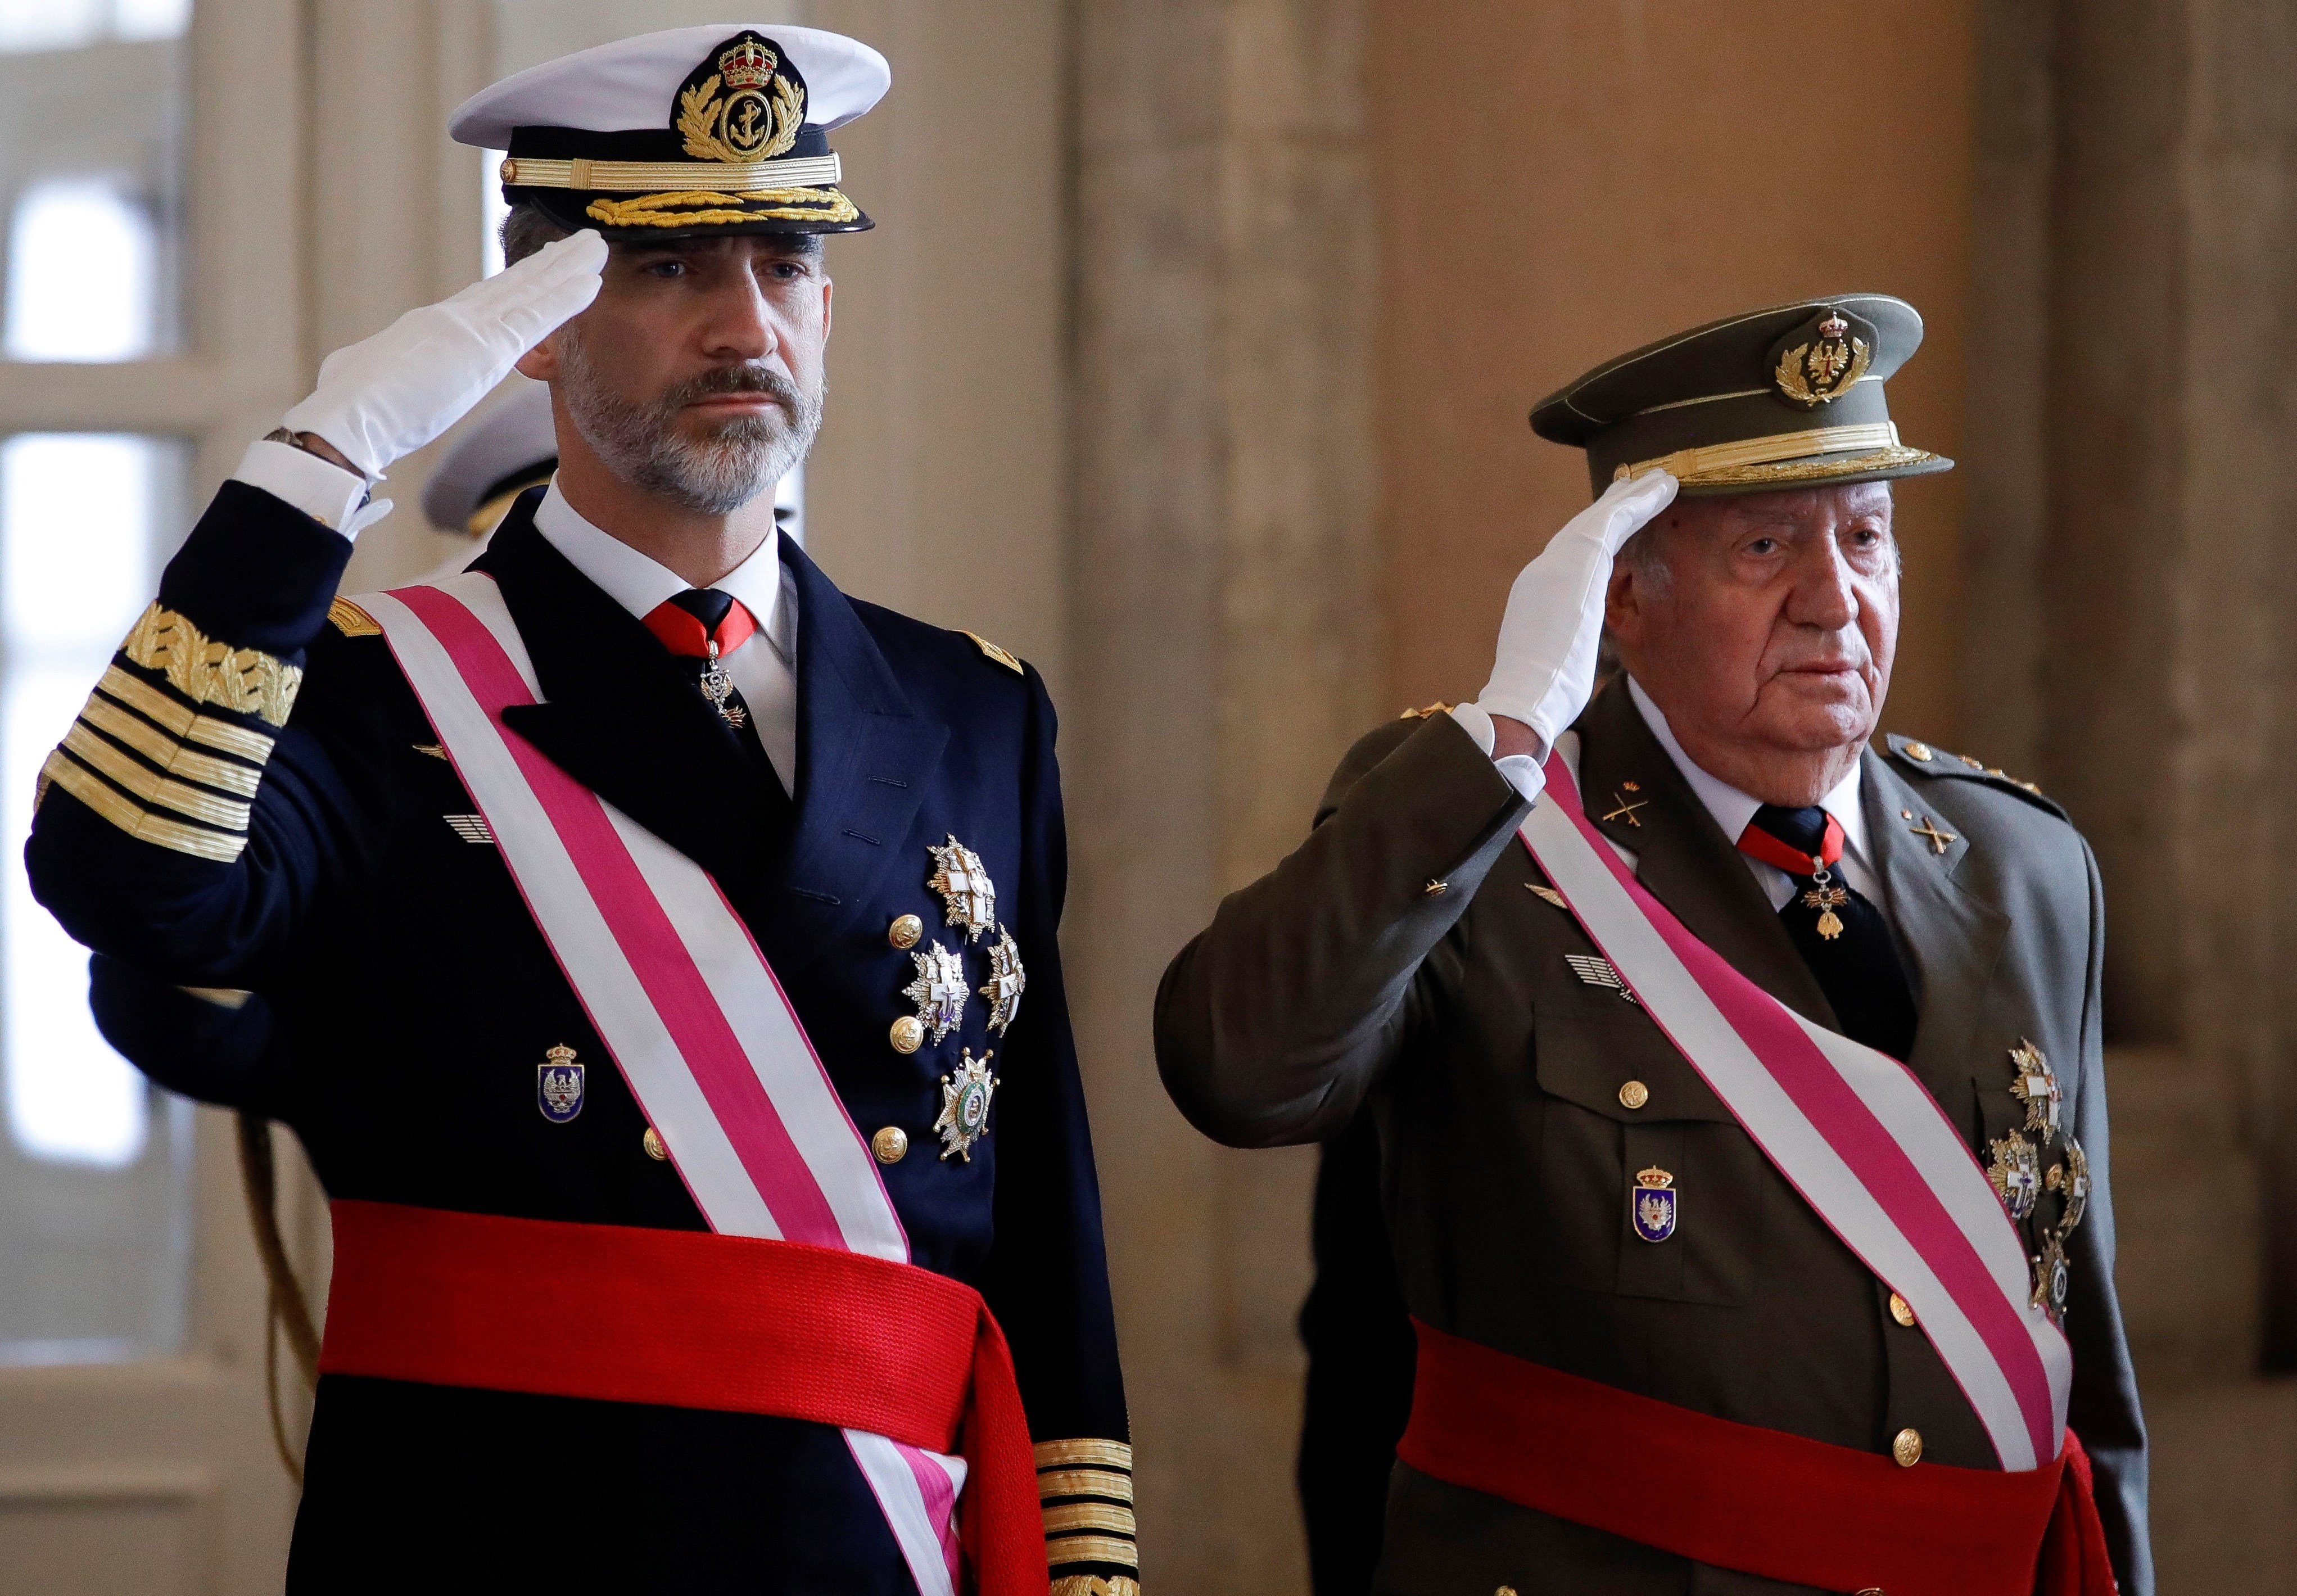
point(326, 493)
point(1478, 725)
point(1525, 774)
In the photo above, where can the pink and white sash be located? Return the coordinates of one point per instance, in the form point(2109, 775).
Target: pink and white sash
point(1852, 1128)
point(678, 989)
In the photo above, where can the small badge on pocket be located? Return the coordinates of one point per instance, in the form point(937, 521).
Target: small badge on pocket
point(1654, 1204)
point(558, 1086)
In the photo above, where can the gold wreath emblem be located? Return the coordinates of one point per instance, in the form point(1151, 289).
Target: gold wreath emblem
point(728, 127)
point(1813, 375)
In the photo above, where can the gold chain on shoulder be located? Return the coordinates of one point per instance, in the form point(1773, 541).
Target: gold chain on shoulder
point(244, 680)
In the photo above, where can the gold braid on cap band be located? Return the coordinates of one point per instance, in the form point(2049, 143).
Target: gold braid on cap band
point(654, 177)
point(1693, 464)
point(716, 210)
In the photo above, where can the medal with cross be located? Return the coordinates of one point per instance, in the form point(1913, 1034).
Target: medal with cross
point(718, 686)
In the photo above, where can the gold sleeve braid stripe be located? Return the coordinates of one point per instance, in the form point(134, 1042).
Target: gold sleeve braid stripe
point(1071, 1516)
point(1085, 1482)
point(137, 822)
point(244, 680)
point(163, 751)
point(169, 715)
point(1092, 1549)
point(1094, 1585)
point(140, 781)
point(1086, 1452)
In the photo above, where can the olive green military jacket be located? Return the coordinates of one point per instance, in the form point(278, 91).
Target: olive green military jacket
point(1400, 960)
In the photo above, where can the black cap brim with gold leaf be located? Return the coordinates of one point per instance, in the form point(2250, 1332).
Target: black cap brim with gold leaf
point(1791, 397)
point(690, 132)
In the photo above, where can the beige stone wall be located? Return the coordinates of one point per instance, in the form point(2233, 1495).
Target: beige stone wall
point(1558, 183)
point(1225, 652)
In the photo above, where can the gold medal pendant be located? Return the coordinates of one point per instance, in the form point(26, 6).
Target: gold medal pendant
point(718, 686)
point(1825, 897)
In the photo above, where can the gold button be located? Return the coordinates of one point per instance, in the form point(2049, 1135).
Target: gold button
point(1504, 1590)
point(1907, 1448)
point(1873, 1590)
point(1634, 1094)
point(905, 932)
point(908, 1034)
point(1919, 751)
point(1436, 889)
point(891, 1145)
point(654, 1149)
point(1904, 1314)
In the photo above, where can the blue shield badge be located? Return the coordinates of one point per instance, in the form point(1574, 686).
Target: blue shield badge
point(1652, 1206)
point(558, 1085)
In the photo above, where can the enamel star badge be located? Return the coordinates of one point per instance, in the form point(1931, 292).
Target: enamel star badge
point(939, 991)
point(2051, 1280)
point(965, 1095)
point(2076, 1189)
point(964, 885)
point(2034, 1084)
point(2016, 1174)
point(1006, 981)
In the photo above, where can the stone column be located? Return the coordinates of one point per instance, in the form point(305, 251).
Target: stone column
point(1225, 653)
point(2134, 377)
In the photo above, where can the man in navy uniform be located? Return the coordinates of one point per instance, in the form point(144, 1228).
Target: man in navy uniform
point(261, 794)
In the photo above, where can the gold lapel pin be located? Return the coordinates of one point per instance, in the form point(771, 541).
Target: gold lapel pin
point(1938, 839)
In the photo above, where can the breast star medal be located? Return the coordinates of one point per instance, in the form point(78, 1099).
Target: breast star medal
point(1654, 1205)
point(2034, 1084)
point(964, 885)
point(2076, 1189)
point(2016, 1174)
point(1826, 897)
point(2051, 1280)
point(558, 1085)
point(965, 1095)
point(1006, 981)
point(718, 686)
point(939, 991)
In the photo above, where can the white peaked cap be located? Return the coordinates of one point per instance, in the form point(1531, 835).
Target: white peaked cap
point(515, 436)
point(632, 83)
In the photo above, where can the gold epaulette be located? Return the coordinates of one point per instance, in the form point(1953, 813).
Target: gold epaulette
point(351, 621)
point(1001, 655)
point(1086, 1488)
point(1937, 761)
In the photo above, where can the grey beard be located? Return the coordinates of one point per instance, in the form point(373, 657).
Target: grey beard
point(716, 476)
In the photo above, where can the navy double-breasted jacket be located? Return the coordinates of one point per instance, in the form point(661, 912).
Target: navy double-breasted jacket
point(214, 820)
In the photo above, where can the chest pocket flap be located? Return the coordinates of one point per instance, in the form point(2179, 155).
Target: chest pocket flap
point(1620, 1064)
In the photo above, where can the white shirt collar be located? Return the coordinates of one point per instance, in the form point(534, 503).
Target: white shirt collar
point(1733, 809)
point(640, 584)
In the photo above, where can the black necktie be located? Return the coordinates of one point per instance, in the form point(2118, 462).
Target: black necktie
point(1841, 936)
point(712, 609)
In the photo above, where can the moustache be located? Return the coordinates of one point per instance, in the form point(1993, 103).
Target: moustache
point(736, 379)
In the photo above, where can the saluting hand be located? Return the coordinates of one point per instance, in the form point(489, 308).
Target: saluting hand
point(1544, 669)
point(388, 396)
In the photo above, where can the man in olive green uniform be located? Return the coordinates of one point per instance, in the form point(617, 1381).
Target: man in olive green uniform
point(1582, 1205)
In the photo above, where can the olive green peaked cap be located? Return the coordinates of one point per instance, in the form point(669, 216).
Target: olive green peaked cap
point(1791, 396)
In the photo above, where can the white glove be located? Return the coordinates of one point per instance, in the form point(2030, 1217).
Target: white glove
point(1544, 669)
point(387, 397)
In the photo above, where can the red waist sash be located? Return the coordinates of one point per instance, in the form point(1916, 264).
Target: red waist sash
point(691, 1319)
point(1736, 1496)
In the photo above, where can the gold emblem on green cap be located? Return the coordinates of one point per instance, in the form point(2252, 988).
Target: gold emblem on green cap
point(1821, 370)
